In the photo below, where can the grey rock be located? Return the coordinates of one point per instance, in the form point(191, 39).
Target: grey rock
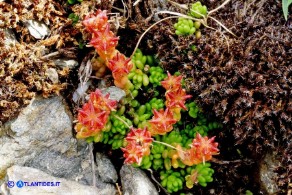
point(41, 137)
point(38, 30)
point(66, 63)
point(115, 93)
point(43, 125)
point(52, 74)
point(106, 169)
point(9, 38)
point(27, 174)
point(267, 174)
point(135, 182)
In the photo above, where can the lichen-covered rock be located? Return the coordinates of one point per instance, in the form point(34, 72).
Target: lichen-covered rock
point(27, 174)
point(41, 137)
point(267, 173)
point(135, 182)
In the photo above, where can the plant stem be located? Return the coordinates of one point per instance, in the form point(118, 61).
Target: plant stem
point(219, 7)
point(141, 37)
point(168, 145)
point(119, 118)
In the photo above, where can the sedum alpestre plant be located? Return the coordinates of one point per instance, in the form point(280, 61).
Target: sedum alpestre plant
point(146, 130)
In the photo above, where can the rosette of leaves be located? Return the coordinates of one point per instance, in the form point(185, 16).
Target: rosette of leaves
point(202, 175)
point(198, 10)
point(184, 26)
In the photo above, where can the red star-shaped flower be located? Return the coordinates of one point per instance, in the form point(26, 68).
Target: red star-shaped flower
point(205, 147)
point(105, 43)
point(120, 64)
point(91, 117)
point(141, 137)
point(95, 22)
point(161, 122)
point(102, 102)
point(176, 99)
point(172, 82)
point(201, 150)
point(133, 153)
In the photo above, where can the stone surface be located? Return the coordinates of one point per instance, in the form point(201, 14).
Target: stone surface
point(52, 74)
point(41, 137)
point(267, 174)
point(115, 93)
point(29, 175)
point(9, 38)
point(38, 30)
point(135, 182)
point(66, 63)
point(106, 169)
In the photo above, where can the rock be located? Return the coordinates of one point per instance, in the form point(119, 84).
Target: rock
point(43, 125)
point(105, 169)
point(267, 174)
point(41, 137)
point(66, 63)
point(29, 175)
point(37, 29)
point(9, 38)
point(115, 93)
point(135, 182)
point(52, 74)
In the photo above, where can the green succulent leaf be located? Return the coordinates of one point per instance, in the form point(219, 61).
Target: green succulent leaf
point(285, 6)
